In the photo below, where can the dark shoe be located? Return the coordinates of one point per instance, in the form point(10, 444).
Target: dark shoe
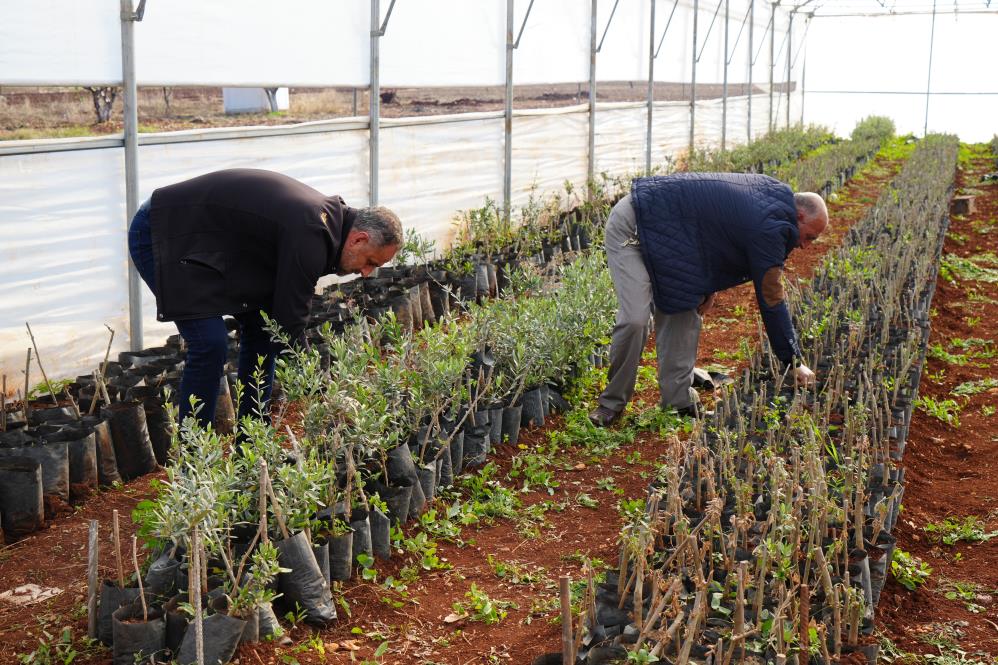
point(692, 411)
point(604, 416)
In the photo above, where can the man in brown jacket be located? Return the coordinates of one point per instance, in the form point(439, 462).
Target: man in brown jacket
point(239, 242)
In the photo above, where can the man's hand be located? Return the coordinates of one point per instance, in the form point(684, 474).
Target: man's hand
point(804, 376)
point(706, 305)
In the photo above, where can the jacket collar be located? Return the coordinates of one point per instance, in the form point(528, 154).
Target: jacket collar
point(338, 218)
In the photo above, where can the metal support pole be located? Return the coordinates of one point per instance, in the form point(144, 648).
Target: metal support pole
point(507, 176)
point(591, 171)
point(790, 43)
point(928, 82)
point(693, 77)
point(374, 106)
point(651, 88)
point(751, 62)
point(772, 63)
point(803, 71)
point(130, 94)
point(724, 89)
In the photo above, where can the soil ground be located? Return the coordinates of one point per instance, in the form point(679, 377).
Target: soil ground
point(952, 467)
point(535, 546)
point(30, 113)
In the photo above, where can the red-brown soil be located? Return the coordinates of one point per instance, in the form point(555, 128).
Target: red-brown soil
point(951, 471)
point(416, 631)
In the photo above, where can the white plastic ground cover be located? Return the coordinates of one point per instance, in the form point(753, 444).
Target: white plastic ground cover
point(327, 42)
point(62, 214)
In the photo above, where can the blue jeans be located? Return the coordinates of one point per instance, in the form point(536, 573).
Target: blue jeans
point(207, 342)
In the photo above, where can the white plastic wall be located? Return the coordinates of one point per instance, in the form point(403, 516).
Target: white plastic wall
point(888, 74)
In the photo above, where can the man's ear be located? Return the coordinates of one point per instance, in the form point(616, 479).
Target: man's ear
point(357, 237)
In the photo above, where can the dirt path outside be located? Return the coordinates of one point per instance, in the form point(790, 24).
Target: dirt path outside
point(30, 113)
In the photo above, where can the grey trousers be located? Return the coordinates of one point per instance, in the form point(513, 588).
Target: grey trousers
point(676, 335)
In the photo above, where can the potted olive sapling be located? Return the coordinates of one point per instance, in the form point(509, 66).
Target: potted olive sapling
point(190, 510)
point(436, 376)
point(295, 493)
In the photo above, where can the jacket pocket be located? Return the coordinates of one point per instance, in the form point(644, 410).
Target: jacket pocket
point(214, 261)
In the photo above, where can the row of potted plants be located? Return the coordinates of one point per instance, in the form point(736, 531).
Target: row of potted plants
point(389, 410)
point(767, 535)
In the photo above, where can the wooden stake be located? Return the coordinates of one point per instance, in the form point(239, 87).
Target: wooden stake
point(73, 404)
point(27, 386)
point(567, 644)
point(273, 500)
point(99, 375)
point(803, 656)
point(203, 568)
point(93, 550)
point(138, 576)
point(263, 502)
point(194, 576)
point(117, 548)
point(38, 359)
point(97, 394)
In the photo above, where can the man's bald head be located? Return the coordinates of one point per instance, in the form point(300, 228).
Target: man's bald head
point(812, 217)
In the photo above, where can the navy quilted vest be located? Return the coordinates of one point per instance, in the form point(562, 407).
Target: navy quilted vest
point(705, 232)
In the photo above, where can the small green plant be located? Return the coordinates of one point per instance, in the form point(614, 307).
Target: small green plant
point(947, 410)
point(58, 650)
point(987, 410)
point(489, 500)
point(296, 616)
point(478, 606)
point(937, 352)
point(367, 572)
point(514, 572)
point(607, 484)
point(586, 501)
point(968, 388)
point(641, 657)
point(631, 509)
point(978, 268)
point(952, 530)
point(969, 593)
point(910, 571)
point(536, 472)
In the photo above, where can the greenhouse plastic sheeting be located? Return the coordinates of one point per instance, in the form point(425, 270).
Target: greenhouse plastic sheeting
point(187, 42)
point(327, 42)
point(620, 138)
point(431, 171)
point(62, 241)
point(549, 149)
point(961, 63)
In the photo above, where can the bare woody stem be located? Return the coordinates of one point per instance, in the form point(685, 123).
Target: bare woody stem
point(27, 387)
point(117, 548)
point(38, 359)
point(138, 576)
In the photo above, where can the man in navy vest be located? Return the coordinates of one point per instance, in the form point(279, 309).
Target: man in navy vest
point(671, 245)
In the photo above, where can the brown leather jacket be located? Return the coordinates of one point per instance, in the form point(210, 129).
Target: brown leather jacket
point(244, 240)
